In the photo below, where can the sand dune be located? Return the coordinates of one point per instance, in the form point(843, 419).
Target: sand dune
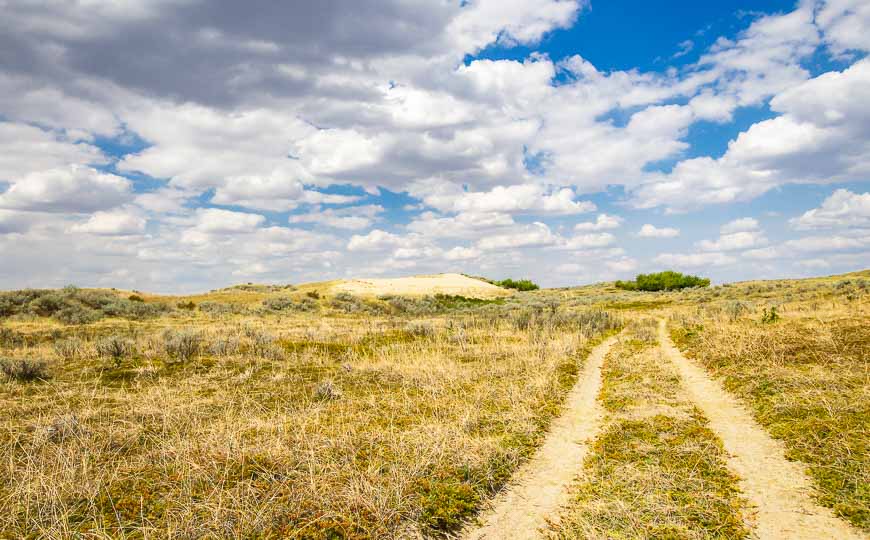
point(421, 285)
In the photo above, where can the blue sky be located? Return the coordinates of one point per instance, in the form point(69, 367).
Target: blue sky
point(179, 146)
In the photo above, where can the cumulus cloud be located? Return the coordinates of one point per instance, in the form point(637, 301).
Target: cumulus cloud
point(841, 209)
point(120, 222)
point(845, 24)
point(14, 222)
point(734, 241)
point(821, 136)
point(651, 231)
point(218, 221)
point(602, 222)
point(694, 260)
point(534, 235)
point(352, 218)
point(377, 240)
point(739, 225)
point(525, 198)
point(75, 188)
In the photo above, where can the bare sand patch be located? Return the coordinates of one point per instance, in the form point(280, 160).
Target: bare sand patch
point(454, 284)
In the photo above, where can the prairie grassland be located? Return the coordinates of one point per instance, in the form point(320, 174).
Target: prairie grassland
point(798, 353)
point(656, 471)
point(237, 422)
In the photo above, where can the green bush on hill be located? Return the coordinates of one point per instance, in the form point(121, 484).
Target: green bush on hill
point(520, 285)
point(663, 281)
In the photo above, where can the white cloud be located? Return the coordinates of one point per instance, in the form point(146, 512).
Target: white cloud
point(734, 241)
point(75, 188)
point(482, 22)
point(26, 149)
point(626, 264)
point(809, 244)
point(460, 253)
point(14, 222)
point(821, 136)
point(378, 240)
point(694, 260)
point(218, 221)
point(351, 218)
point(526, 198)
point(814, 263)
point(765, 253)
point(120, 222)
point(839, 210)
point(739, 225)
point(602, 222)
point(464, 225)
point(590, 240)
point(651, 231)
point(534, 235)
point(845, 24)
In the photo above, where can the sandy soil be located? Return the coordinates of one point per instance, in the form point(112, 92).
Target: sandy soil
point(541, 485)
point(420, 285)
point(779, 489)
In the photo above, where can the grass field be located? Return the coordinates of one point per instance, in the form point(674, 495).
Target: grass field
point(284, 412)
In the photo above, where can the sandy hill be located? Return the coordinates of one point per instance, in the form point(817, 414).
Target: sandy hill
point(456, 284)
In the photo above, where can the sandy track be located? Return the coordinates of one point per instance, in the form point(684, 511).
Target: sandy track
point(779, 489)
point(540, 487)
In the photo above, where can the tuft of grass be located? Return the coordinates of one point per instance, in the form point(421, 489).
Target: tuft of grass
point(182, 346)
point(24, 369)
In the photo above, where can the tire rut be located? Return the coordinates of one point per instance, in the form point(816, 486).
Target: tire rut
point(539, 488)
point(780, 490)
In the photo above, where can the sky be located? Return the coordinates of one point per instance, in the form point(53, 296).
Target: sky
point(185, 145)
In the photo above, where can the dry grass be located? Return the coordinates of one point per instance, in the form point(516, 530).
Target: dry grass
point(804, 375)
point(657, 471)
point(301, 426)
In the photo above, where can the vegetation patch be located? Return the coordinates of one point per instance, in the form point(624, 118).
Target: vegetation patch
point(663, 281)
point(518, 284)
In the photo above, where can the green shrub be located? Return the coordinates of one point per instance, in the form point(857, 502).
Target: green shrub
point(114, 348)
point(77, 314)
point(189, 305)
point(446, 504)
point(663, 281)
point(69, 349)
point(351, 304)
point(11, 338)
point(72, 305)
point(220, 308)
point(769, 316)
point(181, 346)
point(135, 298)
point(284, 303)
point(24, 369)
point(520, 285)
